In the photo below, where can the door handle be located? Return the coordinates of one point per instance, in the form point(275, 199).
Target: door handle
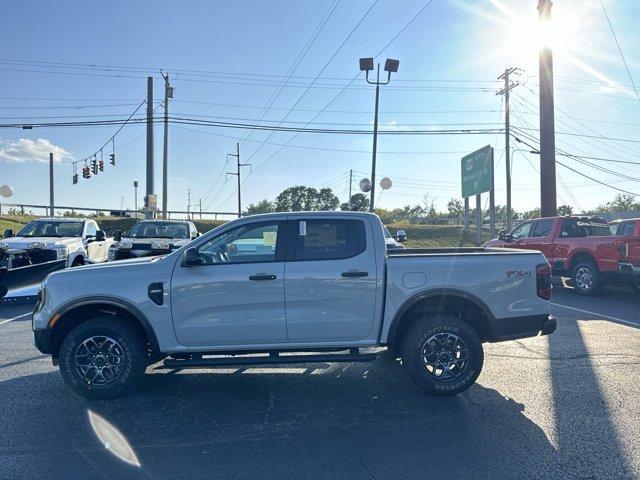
point(262, 276)
point(355, 273)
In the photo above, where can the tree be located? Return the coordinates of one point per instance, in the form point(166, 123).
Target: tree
point(622, 202)
point(263, 206)
point(455, 208)
point(565, 210)
point(301, 198)
point(326, 200)
point(359, 202)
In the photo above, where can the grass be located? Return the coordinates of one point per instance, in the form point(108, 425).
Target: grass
point(418, 236)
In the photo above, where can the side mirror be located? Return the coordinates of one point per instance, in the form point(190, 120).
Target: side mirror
point(401, 236)
point(8, 233)
point(100, 236)
point(502, 235)
point(192, 258)
point(117, 235)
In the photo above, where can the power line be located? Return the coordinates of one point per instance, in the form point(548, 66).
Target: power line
point(615, 37)
point(336, 51)
point(295, 64)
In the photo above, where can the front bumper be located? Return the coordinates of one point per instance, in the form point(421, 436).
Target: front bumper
point(42, 340)
point(512, 328)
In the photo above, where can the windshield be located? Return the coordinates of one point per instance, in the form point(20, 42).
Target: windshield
point(159, 230)
point(43, 228)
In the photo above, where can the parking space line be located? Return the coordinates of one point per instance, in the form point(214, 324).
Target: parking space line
point(609, 317)
point(15, 318)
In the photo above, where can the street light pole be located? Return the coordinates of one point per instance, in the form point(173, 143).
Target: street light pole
point(366, 64)
point(375, 140)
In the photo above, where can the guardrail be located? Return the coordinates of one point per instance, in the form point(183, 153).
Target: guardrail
point(118, 212)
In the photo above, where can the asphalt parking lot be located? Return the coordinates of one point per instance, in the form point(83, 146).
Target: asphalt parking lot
point(564, 406)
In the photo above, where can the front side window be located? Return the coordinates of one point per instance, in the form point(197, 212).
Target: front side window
point(245, 244)
point(43, 228)
point(91, 229)
point(542, 228)
point(521, 231)
point(329, 239)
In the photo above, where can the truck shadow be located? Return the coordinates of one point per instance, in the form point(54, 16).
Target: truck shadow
point(344, 421)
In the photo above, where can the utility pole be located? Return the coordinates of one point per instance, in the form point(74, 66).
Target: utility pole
point(188, 204)
point(350, 183)
point(237, 173)
point(548, 205)
point(507, 136)
point(200, 209)
point(168, 93)
point(149, 186)
point(51, 212)
point(135, 198)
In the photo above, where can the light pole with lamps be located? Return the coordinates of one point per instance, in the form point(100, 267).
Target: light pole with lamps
point(366, 65)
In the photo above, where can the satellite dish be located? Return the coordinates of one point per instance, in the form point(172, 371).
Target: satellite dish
point(365, 185)
point(6, 191)
point(386, 183)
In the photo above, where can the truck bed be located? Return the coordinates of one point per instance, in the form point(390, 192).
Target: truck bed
point(456, 251)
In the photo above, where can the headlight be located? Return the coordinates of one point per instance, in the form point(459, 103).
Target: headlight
point(62, 253)
point(125, 245)
point(160, 246)
point(36, 245)
point(41, 299)
point(4, 246)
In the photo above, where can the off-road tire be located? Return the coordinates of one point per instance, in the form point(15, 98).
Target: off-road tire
point(130, 346)
point(414, 343)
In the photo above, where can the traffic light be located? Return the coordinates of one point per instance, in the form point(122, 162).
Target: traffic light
point(75, 178)
point(112, 158)
point(85, 172)
point(101, 165)
point(94, 166)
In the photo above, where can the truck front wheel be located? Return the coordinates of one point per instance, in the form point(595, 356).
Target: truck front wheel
point(102, 358)
point(442, 355)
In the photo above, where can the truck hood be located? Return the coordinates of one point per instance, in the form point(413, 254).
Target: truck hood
point(21, 243)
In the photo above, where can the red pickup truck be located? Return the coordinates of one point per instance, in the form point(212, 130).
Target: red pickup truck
point(583, 248)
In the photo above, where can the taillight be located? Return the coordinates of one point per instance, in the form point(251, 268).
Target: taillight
point(543, 281)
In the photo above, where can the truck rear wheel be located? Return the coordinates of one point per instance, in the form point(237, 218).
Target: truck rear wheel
point(442, 355)
point(586, 278)
point(102, 358)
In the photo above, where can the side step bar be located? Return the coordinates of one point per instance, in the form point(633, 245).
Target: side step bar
point(274, 358)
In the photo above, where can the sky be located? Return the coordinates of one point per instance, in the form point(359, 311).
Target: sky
point(77, 61)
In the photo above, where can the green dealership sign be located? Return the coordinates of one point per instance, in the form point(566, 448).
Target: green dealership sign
point(476, 169)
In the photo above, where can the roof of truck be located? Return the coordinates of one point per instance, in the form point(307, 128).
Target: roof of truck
point(63, 219)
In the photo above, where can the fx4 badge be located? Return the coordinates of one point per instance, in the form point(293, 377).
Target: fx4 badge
point(518, 273)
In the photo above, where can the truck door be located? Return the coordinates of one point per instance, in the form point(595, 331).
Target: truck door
point(331, 276)
point(520, 235)
point(236, 295)
point(541, 239)
point(96, 250)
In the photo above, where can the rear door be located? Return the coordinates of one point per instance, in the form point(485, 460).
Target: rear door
point(331, 279)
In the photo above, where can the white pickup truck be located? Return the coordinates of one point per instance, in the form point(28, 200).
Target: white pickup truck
point(291, 288)
point(48, 244)
point(152, 237)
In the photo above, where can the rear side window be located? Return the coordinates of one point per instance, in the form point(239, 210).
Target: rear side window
point(329, 239)
point(542, 228)
point(625, 229)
